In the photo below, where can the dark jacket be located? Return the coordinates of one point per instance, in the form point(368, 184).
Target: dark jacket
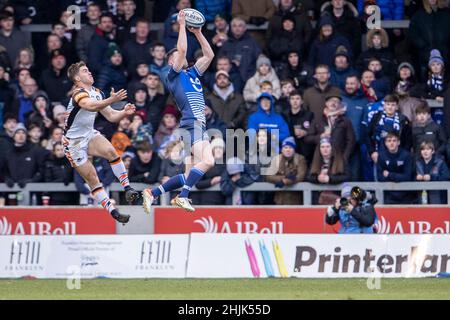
point(59, 170)
point(334, 178)
point(338, 77)
point(322, 52)
point(304, 119)
point(302, 24)
point(375, 139)
point(356, 112)
point(134, 52)
point(446, 122)
point(342, 134)
point(385, 56)
point(209, 197)
point(56, 85)
point(96, 52)
point(430, 132)
point(232, 110)
point(302, 75)
point(400, 168)
point(111, 76)
point(25, 164)
point(284, 42)
point(137, 170)
point(215, 123)
point(249, 176)
point(429, 31)
point(155, 109)
point(438, 171)
point(347, 25)
point(247, 48)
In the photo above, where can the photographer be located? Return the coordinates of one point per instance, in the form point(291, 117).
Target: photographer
point(355, 211)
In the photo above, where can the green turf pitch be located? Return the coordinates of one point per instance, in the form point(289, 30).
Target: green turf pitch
point(227, 289)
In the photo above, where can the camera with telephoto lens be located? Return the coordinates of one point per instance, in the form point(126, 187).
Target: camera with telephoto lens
point(343, 202)
point(361, 195)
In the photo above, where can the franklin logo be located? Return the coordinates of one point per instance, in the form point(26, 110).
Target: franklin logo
point(24, 256)
point(155, 255)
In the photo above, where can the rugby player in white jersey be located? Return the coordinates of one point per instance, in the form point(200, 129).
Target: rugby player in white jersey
point(81, 139)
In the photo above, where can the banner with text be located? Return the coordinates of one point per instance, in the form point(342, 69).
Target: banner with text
point(108, 256)
point(277, 220)
point(55, 221)
point(317, 256)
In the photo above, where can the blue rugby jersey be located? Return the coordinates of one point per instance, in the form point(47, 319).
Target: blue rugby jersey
point(187, 90)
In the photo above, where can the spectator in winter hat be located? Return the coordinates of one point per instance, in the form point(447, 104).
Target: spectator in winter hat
point(436, 83)
point(264, 72)
point(341, 68)
point(113, 75)
point(289, 168)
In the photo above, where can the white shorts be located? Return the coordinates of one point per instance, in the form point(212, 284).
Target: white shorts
point(76, 150)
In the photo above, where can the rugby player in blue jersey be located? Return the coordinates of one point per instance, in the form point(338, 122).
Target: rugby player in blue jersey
point(186, 88)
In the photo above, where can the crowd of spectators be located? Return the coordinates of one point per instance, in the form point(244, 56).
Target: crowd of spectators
point(349, 101)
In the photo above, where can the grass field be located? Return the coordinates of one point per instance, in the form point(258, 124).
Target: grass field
point(194, 289)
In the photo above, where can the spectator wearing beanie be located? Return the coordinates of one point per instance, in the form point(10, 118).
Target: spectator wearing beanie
point(283, 42)
point(408, 91)
point(341, 68)
point(241, 48)
point(302, 23)
point(288, 168)
point(41, 114)
point(59, 113)
point(264, 72)
point(24, 163)
point(113, 74)
point(212, 177)
point(436, 83)
point(324, 46)
point(54, 80)
point(377, 43)
point(227, 102)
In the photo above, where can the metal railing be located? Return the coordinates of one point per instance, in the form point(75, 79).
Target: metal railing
point(305, 187)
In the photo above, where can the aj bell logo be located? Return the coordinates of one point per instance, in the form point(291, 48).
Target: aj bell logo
point(210, 226)
point(423, 227)
point(5, 227)
point(155, 255)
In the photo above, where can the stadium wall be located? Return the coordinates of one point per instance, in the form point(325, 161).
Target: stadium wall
point(202, 255)
point(244, 219)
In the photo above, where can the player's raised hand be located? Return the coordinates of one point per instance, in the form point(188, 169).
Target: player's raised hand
point(181, 18)
point(195, 31)
point(129, 109)
point(119, 95)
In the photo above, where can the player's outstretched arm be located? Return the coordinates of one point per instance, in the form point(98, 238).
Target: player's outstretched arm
point(115, 115)
point(98, 105)
point(178, 62)
point(203, 63)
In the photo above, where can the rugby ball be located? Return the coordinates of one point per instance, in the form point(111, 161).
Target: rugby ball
point(194, 18)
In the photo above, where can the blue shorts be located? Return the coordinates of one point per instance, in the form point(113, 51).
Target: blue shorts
point(196, 131)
